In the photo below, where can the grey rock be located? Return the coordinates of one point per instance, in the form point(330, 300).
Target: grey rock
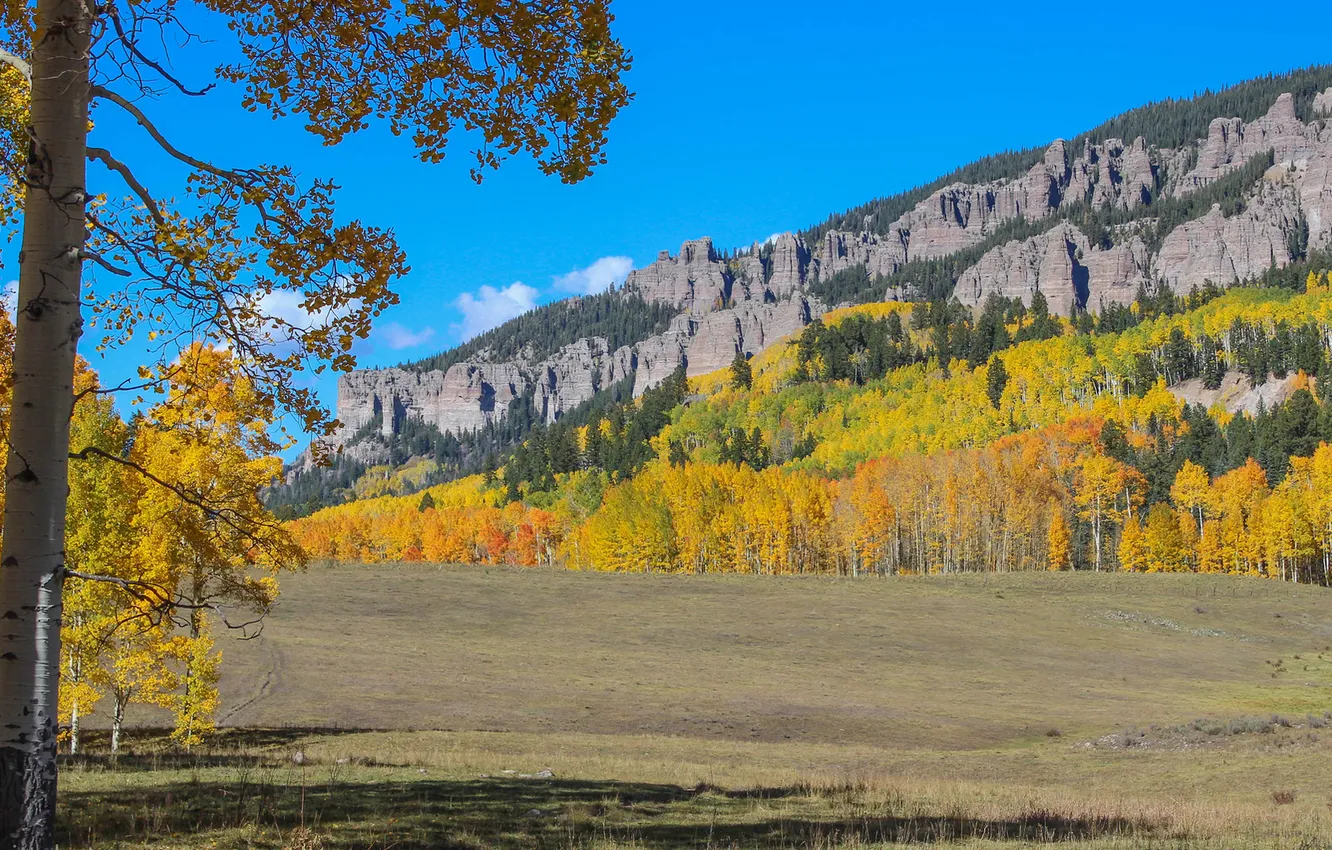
point(788, 264)
point(471, 394)
point(1235, 394)
point(694, 280)
point(1063, 265)
point(1231, 143)
point(1322, 104)
point(881, 255)
point(1224, 250)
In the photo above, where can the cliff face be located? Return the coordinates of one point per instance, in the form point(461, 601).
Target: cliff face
point(472, 395)
point(743, 302)
point(1296, 192)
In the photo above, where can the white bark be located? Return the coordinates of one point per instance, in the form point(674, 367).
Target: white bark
point(117, 722)
point(36, 481)
point(74, 729)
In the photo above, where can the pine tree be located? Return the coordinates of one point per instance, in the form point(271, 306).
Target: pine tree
point(996, 380)
point(742, 376)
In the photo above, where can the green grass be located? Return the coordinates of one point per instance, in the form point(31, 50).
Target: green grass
point(1099, 711)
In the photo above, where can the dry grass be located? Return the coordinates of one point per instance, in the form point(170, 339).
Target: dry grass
point(730, 712)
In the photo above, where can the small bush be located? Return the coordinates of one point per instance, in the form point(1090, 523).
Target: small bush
point(1283, 798)
point(1249, 725)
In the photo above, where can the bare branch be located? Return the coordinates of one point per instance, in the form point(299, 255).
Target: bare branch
point(128, 106)
point(104, 263)
point(133, 46)
point(104, 156)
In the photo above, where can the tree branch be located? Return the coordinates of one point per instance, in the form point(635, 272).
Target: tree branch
point(104, 263)
point(188, 498)
point(164, 601)
point(104, 156)
point(16, 62)
point(133, 46)
point(128, 106)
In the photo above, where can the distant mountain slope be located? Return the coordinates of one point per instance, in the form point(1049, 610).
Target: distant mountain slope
point(1216, 189)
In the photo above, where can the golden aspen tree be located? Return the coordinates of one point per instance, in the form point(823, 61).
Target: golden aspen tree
point(1239, 497)
point(1059, 548)
point(1162, 541)
point(1100, 481)
point(1133, 555)
point(538, 78)
point(207, 543)
point(97, 538)
point(1320, 504)
point(1192, 491)
point(1190, 540)
point(135, 667)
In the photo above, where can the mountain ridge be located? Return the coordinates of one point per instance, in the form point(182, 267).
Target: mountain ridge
point(1080, 226)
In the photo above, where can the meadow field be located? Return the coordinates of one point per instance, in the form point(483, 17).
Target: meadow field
point(422, 706)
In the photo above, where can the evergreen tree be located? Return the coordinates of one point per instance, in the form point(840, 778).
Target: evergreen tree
point(996, 380)
point(742, 376)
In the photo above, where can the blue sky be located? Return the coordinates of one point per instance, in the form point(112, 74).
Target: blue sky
point(750, 118)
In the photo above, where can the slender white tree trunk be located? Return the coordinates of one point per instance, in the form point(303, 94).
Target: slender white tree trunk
point(36, 480)
point(74, 729)
point(117, 722)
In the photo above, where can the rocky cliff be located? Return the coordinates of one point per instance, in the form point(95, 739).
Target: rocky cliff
point(742, 302)
point(1294, 194)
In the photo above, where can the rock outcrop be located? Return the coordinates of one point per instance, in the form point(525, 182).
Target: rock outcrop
point(880, 255)
point(1224, 250)
point(1322, 104)
point(1236, 394)
point(743, 302)
point(471, 395)
point(1295, 193)
point(740, 304)
point(1063, 265)
point(1231, 143)
point(694, 280)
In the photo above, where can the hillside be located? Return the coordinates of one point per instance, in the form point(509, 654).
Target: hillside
point(1174, 196)
point(914, 439)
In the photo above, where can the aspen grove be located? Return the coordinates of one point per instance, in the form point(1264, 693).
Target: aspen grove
point(1084, 458)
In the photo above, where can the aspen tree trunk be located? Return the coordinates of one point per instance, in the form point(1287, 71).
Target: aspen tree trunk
point(74, 729)
point(117, 721)
point(36, 481)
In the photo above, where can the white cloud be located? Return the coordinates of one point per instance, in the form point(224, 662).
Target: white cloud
point(772, 240)
point(9, 298)
point(398, 337)
point(286, 306)
point(598, 277)
point(490, 307)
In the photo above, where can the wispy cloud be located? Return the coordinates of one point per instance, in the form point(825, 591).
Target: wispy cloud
point(9, 298)
point(398, 337)
point(490, 307)
point(598, 277)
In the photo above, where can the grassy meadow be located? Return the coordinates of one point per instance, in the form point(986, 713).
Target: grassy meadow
point(418, 706)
